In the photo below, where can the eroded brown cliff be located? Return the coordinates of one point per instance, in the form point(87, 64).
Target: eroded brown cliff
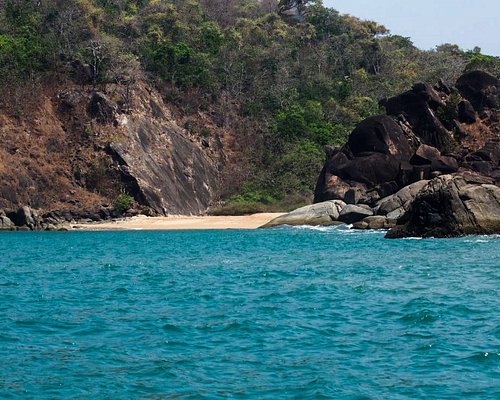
point(65, 146)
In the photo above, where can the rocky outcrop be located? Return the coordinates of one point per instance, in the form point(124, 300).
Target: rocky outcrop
point(25, 216)
point(5, 222)
point(323, 214)
point(427, 132)
point(81, 147)
point(373, 154)
point(386, 214)
point(101, 108)
point(486, 160)
point(162, 167)
point(430, 167)
point(418, 107)
point(453, 205)
point(27, 219)
point(447, 206)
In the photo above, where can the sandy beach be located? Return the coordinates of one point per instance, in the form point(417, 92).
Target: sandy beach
point(183, 223)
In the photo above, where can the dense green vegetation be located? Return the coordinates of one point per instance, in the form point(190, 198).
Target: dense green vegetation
point(287, 77)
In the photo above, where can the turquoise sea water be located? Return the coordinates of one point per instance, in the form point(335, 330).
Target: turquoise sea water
point(289, 313)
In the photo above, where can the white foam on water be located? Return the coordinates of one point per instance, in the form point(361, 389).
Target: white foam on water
point(315, 228)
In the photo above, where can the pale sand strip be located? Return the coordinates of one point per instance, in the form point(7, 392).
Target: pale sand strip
point(182, 223)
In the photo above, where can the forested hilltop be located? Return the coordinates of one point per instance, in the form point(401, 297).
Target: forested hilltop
point(262, 86)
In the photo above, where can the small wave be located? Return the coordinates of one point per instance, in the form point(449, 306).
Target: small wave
point(418, 335)
point(10, 284)
point(482, 239)
point(484, 357)
point(225, 327)
point(8, 339)
point(172, 328)
point(463, 309)
point(110, 266)
point(420, 317)
point(315, 228)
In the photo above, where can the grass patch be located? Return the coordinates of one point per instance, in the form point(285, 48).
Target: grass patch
point(248, 207)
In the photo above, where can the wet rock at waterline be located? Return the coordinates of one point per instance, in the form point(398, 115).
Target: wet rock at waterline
point(326, 213)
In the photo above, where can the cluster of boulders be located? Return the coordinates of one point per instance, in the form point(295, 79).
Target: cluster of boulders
point(446, 206)
point(28, 219)
point(423, 135)
point(429, 167)
point(385, 214)
point(452, 205)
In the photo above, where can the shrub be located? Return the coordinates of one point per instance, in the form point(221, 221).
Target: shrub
point(449, 112)
point(123, 202)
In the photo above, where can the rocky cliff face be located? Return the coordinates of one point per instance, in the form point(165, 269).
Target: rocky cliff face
point(427, 132)
point(75, 148)
point(163, 167)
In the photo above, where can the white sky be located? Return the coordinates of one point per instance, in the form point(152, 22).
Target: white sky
point(467, 23)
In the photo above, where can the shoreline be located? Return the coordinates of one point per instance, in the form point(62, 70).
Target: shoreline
point(180, 222)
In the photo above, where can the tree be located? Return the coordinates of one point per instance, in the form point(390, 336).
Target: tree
point(297, 7)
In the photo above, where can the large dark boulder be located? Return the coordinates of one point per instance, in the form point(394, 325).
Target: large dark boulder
point(453, 205)
point(418, 107)
point(371, 169)
point(330, 187)
point(481, 89)
point(371, 160)
point(25, 216)
point(380, 134)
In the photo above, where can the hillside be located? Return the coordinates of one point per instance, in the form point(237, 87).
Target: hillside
point(182, 104)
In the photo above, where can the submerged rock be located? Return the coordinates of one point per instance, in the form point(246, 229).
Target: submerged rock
point(326, 213)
